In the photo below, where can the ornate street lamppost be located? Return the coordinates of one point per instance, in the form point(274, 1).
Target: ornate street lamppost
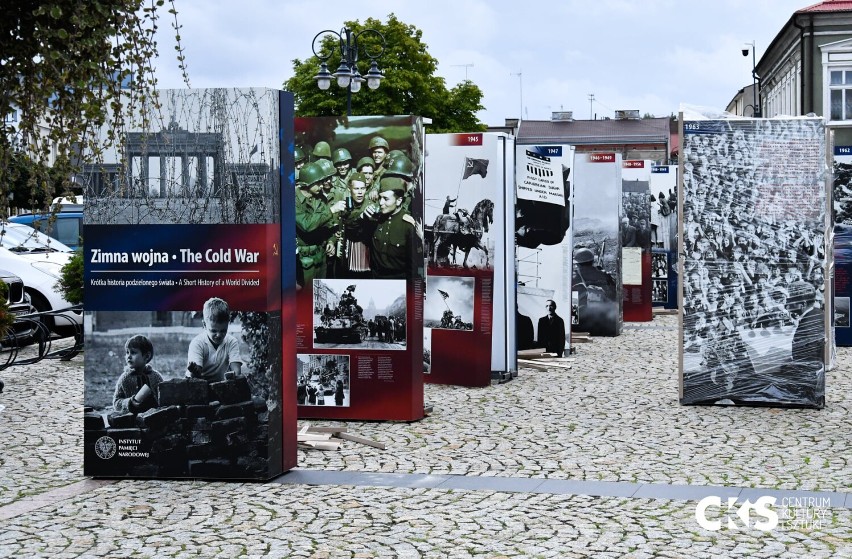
point(755, 106)
point(347, 74)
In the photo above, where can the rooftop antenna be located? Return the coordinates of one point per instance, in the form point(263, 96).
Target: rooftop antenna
point(466, 66)
point(591, 101)
point(520, 75)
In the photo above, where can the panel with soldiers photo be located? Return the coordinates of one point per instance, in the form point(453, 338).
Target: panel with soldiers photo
point(359, 204)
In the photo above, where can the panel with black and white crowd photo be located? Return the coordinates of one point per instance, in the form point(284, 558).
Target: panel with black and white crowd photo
point(754, 291)
point(322, 379)
point(359, 314)
point(659, 277)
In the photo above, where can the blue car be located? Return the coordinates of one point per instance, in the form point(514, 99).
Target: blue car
point(67, 228)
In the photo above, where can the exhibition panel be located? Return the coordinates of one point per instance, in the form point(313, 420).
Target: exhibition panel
point(755, 329)
point(189, 303)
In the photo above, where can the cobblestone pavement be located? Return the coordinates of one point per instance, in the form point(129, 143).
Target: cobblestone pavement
point(613, 417)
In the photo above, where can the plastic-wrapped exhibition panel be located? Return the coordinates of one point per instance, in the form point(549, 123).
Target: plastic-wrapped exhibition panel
point(360, 268)
point(469, 233)
point(596, 277)
point(188, 363)
point(754, 327)
point(543, 239)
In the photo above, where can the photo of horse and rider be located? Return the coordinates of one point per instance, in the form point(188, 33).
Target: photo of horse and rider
point(459, 217)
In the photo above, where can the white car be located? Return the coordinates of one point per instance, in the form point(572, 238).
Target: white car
point(38, 259)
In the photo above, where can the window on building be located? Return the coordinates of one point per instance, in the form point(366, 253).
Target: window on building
point(840, 94)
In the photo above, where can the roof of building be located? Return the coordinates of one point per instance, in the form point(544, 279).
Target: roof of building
point(828, 6)
point(578, 132)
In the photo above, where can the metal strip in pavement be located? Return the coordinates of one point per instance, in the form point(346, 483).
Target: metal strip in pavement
point(637, 327)
point(792, 498)
point(560, 486)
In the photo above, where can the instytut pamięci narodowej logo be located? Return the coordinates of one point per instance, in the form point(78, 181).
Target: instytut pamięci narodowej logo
point(105, 447)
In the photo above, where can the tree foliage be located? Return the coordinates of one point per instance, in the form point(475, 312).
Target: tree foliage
point(62, 66)
point(410, 85)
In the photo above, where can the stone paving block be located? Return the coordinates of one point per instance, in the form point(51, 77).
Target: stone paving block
point(193, 411)
point(158, 418)
point(231, 391)
point(221, 429)
point(241, 409)
point(93, 421)
point(121, 420)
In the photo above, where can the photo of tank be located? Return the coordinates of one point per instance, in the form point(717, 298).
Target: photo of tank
point(344, 323)
point(367, 314)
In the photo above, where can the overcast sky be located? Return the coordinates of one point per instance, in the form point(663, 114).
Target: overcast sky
point(648, 55)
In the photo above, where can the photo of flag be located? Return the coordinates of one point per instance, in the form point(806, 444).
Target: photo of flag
point(475, 167)
point(444, 294)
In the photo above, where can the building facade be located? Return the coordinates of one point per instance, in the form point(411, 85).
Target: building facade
point(807, 68)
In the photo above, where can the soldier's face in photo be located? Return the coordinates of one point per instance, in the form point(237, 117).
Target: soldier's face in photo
point(379, 155)
point(315, 189)
point(342, 168)
point(327, 185)
point(367, 171)
point(358, 190)
point(389, 202)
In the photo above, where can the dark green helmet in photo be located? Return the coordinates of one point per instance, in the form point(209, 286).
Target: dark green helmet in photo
point(379, 142)
point(299, 154)
point(311, 174)
point(327, 167)
point(365, 161)
point(322, 151)
point(341, 155)
point(400, 166)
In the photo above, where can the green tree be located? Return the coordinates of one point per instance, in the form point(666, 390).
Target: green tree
point(62, 68)
point(31, 184)
point(410, 85)
point(70, 282)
